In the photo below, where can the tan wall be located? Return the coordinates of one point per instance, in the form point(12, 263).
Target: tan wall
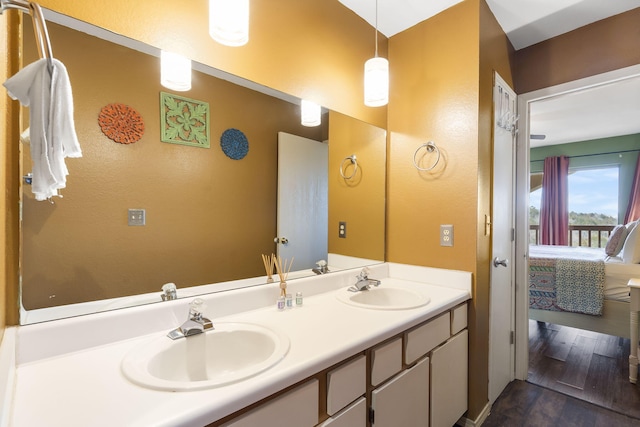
point(9, 159)
point(603, 46)
point(326, 44)
point(442, 79)
point(208, 217)
point(359, 201)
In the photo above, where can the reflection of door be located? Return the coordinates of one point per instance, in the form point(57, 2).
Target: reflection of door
point(302, 200)
point(501, 348)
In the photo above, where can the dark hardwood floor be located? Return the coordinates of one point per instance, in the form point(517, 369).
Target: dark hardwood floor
point(576, 378)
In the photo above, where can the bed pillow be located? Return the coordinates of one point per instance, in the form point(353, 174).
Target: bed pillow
point(616, 240)
point(631, 249)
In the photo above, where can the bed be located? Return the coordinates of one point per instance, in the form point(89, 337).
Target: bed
point(584, 287)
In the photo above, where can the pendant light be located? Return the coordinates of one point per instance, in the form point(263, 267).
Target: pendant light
point(310, 113)
point(229, 21)
point(175, 71)
point(376, 77)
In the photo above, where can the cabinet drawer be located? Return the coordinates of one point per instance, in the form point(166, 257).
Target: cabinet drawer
point(299, 404)
point(424, 338)
point(458, 319)
point(345, 383)
point(386, 361)
point(355, 415)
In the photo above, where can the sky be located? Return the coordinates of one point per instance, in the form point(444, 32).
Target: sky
point(590, 191)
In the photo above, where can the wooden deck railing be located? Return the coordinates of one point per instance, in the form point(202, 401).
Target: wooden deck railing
point(595, 236)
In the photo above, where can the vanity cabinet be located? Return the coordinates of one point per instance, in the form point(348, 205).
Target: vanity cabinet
point(417, 378)
point(431, 386)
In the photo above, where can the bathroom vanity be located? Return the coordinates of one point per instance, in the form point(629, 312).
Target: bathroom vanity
point(345, 364)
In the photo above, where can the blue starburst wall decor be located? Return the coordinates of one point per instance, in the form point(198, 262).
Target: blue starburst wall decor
point(184, 121)
point(234, 144)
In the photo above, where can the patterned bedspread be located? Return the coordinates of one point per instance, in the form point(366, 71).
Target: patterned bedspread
point(566, 279)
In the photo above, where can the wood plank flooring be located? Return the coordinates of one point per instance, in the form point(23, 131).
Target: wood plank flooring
point(523, 404)
point(576, 378)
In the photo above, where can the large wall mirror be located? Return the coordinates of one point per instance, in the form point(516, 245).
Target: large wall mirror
point(208, 216)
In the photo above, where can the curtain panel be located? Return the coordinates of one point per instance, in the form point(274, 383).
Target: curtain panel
point(554, 206)
point(633, 209)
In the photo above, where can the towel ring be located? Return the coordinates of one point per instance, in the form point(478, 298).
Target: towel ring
point(430, 147)
point(354, 162)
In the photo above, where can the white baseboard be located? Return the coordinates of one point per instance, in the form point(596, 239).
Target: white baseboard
point(482, 417)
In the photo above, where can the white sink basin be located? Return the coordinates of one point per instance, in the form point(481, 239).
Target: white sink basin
point(230, 353)
point(390, 295)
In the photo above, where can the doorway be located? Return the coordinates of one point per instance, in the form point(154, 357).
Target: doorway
point(522, 199)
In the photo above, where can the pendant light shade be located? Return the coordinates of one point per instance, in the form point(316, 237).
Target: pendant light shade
point(310, 113)
point(229, 21)
point(376, 77)
point(175, 71)
point(376, 82)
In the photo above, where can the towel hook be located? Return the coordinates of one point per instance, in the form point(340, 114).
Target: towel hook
point(430, 147)
point(354, 162)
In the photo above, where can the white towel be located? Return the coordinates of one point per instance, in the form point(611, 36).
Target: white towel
point(52, 131)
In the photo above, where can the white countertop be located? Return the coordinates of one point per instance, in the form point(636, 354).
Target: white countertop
point(84, 386)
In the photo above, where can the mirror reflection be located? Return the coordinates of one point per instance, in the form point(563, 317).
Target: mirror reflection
point(209, 215)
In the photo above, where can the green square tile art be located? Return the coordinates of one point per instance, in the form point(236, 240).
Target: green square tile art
point(184, 121)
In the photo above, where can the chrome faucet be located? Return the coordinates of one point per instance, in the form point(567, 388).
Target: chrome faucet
point(321, 267)
point(169, 292)
point(364, 282)
point(196, 323)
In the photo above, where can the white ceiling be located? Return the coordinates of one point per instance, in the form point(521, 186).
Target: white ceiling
point(609, 110)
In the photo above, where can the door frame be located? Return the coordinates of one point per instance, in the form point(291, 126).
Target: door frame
point(522, 198)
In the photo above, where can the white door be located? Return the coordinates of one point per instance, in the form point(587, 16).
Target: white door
point(501, 312)
point(302, 224)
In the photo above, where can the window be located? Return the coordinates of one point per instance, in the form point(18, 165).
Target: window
point(593, 198)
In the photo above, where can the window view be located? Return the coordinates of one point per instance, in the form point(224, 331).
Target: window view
point(593, 203)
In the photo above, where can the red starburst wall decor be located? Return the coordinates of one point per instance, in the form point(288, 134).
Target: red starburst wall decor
point(121, 123)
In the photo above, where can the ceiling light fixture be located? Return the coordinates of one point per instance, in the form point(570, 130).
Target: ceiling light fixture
point(310, 113)
point(376, 77)
point(175, 71)
point(229, 21)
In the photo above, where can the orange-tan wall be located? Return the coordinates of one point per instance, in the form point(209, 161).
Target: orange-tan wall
point(442, 79)
point(9, 173)
point(209, 218)
point(606, 45)
point(360, 200)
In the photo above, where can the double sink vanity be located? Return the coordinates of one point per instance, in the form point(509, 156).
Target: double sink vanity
point(345, 357)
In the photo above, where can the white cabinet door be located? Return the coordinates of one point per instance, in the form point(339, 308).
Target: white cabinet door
point(403, 400)
point(449, 381)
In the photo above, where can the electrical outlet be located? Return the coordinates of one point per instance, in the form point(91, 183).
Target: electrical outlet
point(136, 217)
point(446, 235)
point(342, 229)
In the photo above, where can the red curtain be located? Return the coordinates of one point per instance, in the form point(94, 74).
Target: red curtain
point(554, 206)
point(633, 210)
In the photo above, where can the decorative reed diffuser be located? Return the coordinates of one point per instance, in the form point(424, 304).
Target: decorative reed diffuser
point(269, 262)
point(283, 270)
